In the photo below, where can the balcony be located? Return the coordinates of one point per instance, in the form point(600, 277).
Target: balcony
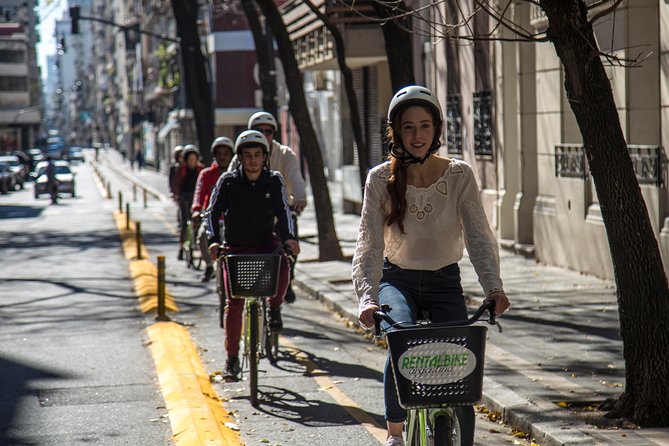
point(313, 42)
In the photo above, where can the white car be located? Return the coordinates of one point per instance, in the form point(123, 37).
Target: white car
point(64, 176)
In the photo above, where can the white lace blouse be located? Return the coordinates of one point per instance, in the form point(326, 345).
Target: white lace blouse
point(440, 221)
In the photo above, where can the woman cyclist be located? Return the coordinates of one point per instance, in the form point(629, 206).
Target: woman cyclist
point(420, 210)
point(184, 188)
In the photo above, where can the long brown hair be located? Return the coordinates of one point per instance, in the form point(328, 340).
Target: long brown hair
point(397, 181)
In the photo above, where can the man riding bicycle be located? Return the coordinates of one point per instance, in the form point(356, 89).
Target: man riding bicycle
point(282, 159)
point(223, 150)
point(250, 198)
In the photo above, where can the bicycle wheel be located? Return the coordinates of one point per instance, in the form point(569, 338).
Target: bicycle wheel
point(446, 428)
point(270, 337)
point(187, 245)
point(253, 351)
point(196, 255)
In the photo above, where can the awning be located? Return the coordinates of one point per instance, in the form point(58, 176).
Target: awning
point(167, 128)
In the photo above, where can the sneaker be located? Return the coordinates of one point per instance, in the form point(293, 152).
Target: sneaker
point(232, 369)
point(394, 440)
point(289, 298)
point(206, 275)
point(275, 322)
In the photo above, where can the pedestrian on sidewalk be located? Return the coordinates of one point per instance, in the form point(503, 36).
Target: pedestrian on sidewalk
point(184, 189)
point(419, 211)
point(223, 150)
point(282, 159)
point(250, 198)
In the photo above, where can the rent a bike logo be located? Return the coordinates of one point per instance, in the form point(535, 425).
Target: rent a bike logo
point(436, 363)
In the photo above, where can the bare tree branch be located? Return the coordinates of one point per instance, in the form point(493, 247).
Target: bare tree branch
point(604, 11)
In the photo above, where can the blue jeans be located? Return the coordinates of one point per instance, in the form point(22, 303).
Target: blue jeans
point(409, 293)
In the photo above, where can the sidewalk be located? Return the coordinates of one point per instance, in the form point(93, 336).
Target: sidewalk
point(560, 353)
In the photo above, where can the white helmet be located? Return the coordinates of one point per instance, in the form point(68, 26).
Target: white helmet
point(222, 141)
point(414, 95)
point(177, 151)
point(191, 148)
point(251, 138)
point(262, 117)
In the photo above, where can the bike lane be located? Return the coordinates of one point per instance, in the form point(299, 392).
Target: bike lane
point(340, 393)
point(74, 366)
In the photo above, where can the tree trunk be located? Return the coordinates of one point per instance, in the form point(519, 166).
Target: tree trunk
point(340, 48)
point(261, 41)
point(643, 295)
point(328, 244)
point(194, 72)
point(399, 46)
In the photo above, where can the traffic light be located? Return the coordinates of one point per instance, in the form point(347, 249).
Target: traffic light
point(74, 16)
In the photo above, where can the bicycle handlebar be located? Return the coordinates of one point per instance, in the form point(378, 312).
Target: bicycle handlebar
point(382, 315)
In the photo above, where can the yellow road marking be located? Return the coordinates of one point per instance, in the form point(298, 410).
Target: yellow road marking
point(143, 271)
point(326, 384)
point(195, 410)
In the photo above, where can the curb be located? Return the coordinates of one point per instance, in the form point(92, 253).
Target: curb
point(525, 415)
point(195, 410)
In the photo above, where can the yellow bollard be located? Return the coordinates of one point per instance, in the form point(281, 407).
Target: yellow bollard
point(138, 239)
point(161, 290)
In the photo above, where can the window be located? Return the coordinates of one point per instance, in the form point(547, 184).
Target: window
point(13, 83)
point(483, 123)
point(453, 126)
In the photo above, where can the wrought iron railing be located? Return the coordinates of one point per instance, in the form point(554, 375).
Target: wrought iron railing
point(453, 125)
point(570, 161)
point(648, 162)
point(483, 123)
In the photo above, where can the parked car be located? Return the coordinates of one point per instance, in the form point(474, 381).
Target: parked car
point(36, 155)
point(17, 168)
point(6, 178)
point(75, 154)
point(64, 176)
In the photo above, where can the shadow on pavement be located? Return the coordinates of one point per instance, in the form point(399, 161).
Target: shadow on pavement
point(14, 385)
point(282, 403)
point(14, 211)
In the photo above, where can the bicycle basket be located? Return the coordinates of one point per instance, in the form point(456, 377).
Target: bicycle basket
point(253, 274)
point(438, 366)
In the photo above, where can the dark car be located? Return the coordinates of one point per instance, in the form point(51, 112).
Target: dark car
point(64, 176)
point(6, 178)
point(17, 168)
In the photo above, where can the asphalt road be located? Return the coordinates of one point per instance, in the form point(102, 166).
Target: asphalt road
point(73, 360)
point(73, 367)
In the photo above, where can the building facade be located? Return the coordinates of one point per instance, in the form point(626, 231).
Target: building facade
point(20, 83)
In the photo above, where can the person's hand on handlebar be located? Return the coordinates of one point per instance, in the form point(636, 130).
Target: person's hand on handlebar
point(366, 316)
point(298, 206)
point(293, 246)
point(501, 301)
point(215, 249)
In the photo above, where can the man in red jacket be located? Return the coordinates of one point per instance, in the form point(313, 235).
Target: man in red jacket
point(222, 149)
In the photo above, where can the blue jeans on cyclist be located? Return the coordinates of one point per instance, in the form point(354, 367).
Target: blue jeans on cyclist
point(409, 293)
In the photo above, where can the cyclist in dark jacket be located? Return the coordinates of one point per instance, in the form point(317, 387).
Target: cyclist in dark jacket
point(183, 189)
point(250, 198)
